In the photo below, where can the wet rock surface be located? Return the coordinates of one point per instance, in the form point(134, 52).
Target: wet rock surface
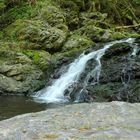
point(120, 66)
point(119, 77)
point(115, 120)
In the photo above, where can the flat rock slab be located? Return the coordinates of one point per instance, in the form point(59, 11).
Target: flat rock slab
point(95, 121)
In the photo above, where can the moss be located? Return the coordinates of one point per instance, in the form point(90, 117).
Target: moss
point(71, 13)
point(72, 19)
point(93, 18)
point(69, 5)
point(92, 32)
point(84, 128)
point(12, 30)
point(53, 15)
point(15, 45)
point(103, 128)
point(50, 136)
point(38, 33)
point(121, 35)
point(2, 4)
point(78, 42)
point(23, 10)
point(98, 34)
point(72, 52)
point(40, 58)
point(1, 35)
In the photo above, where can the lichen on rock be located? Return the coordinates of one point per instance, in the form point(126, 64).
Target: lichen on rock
point(18, 74)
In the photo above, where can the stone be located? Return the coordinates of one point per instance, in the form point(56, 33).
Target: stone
point(53, 15)
point(119, 78)
point(19, 74)
point(39, 35)
point(77, 42)
point(114, 120)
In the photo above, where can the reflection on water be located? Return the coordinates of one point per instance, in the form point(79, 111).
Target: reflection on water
point(14, 105)
point(11, 106)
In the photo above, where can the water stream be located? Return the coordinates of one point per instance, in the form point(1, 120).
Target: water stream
point(54, 95)
point(55, 92)
point(11, 106)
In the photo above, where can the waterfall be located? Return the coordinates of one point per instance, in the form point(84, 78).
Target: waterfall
point(55, 92)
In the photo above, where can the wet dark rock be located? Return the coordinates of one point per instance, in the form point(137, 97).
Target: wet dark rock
point(117, 50)
point(119, 78)
point(120, 75)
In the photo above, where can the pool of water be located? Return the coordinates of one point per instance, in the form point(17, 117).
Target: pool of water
point(11, 106)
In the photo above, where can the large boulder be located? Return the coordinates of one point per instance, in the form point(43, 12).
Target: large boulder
point(116, 120)
point(19, 74)
point(120, 74)
point(77, 42)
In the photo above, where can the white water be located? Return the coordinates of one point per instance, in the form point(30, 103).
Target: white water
point(135, 50)
point(55, 92)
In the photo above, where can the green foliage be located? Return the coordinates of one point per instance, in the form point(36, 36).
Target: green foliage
point(21, 9)
point(1, 35)
point(40, 58)
point(119, 11)
point(136, 2)
point(2, 4)
point(33, 55)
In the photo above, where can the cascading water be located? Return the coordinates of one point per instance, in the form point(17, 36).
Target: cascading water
point(126, 77)
point(55, 92)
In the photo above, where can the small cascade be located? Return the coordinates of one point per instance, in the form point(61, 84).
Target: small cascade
point(127, 70)
point(56, 92)
point(135, 50)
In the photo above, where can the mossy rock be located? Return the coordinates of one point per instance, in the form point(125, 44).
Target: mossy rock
point(69, 5)
point(98, 34)
point(73, 47)
point(120, 35)
point(71, 13)
point(13, 57)
point(18, 73)
point(53, 15)
point(42, 35)
point(79, 5)
point(40, 58)
point(93, 18)
point(119, 49)
point(77, 41)
point(92, 32)
point(72, 19)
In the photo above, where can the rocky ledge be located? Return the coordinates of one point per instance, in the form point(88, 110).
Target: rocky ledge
point(99, 121)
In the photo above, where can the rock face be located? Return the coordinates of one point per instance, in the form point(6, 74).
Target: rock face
point(120, 75)
point(18, 74)
point(100, 121)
